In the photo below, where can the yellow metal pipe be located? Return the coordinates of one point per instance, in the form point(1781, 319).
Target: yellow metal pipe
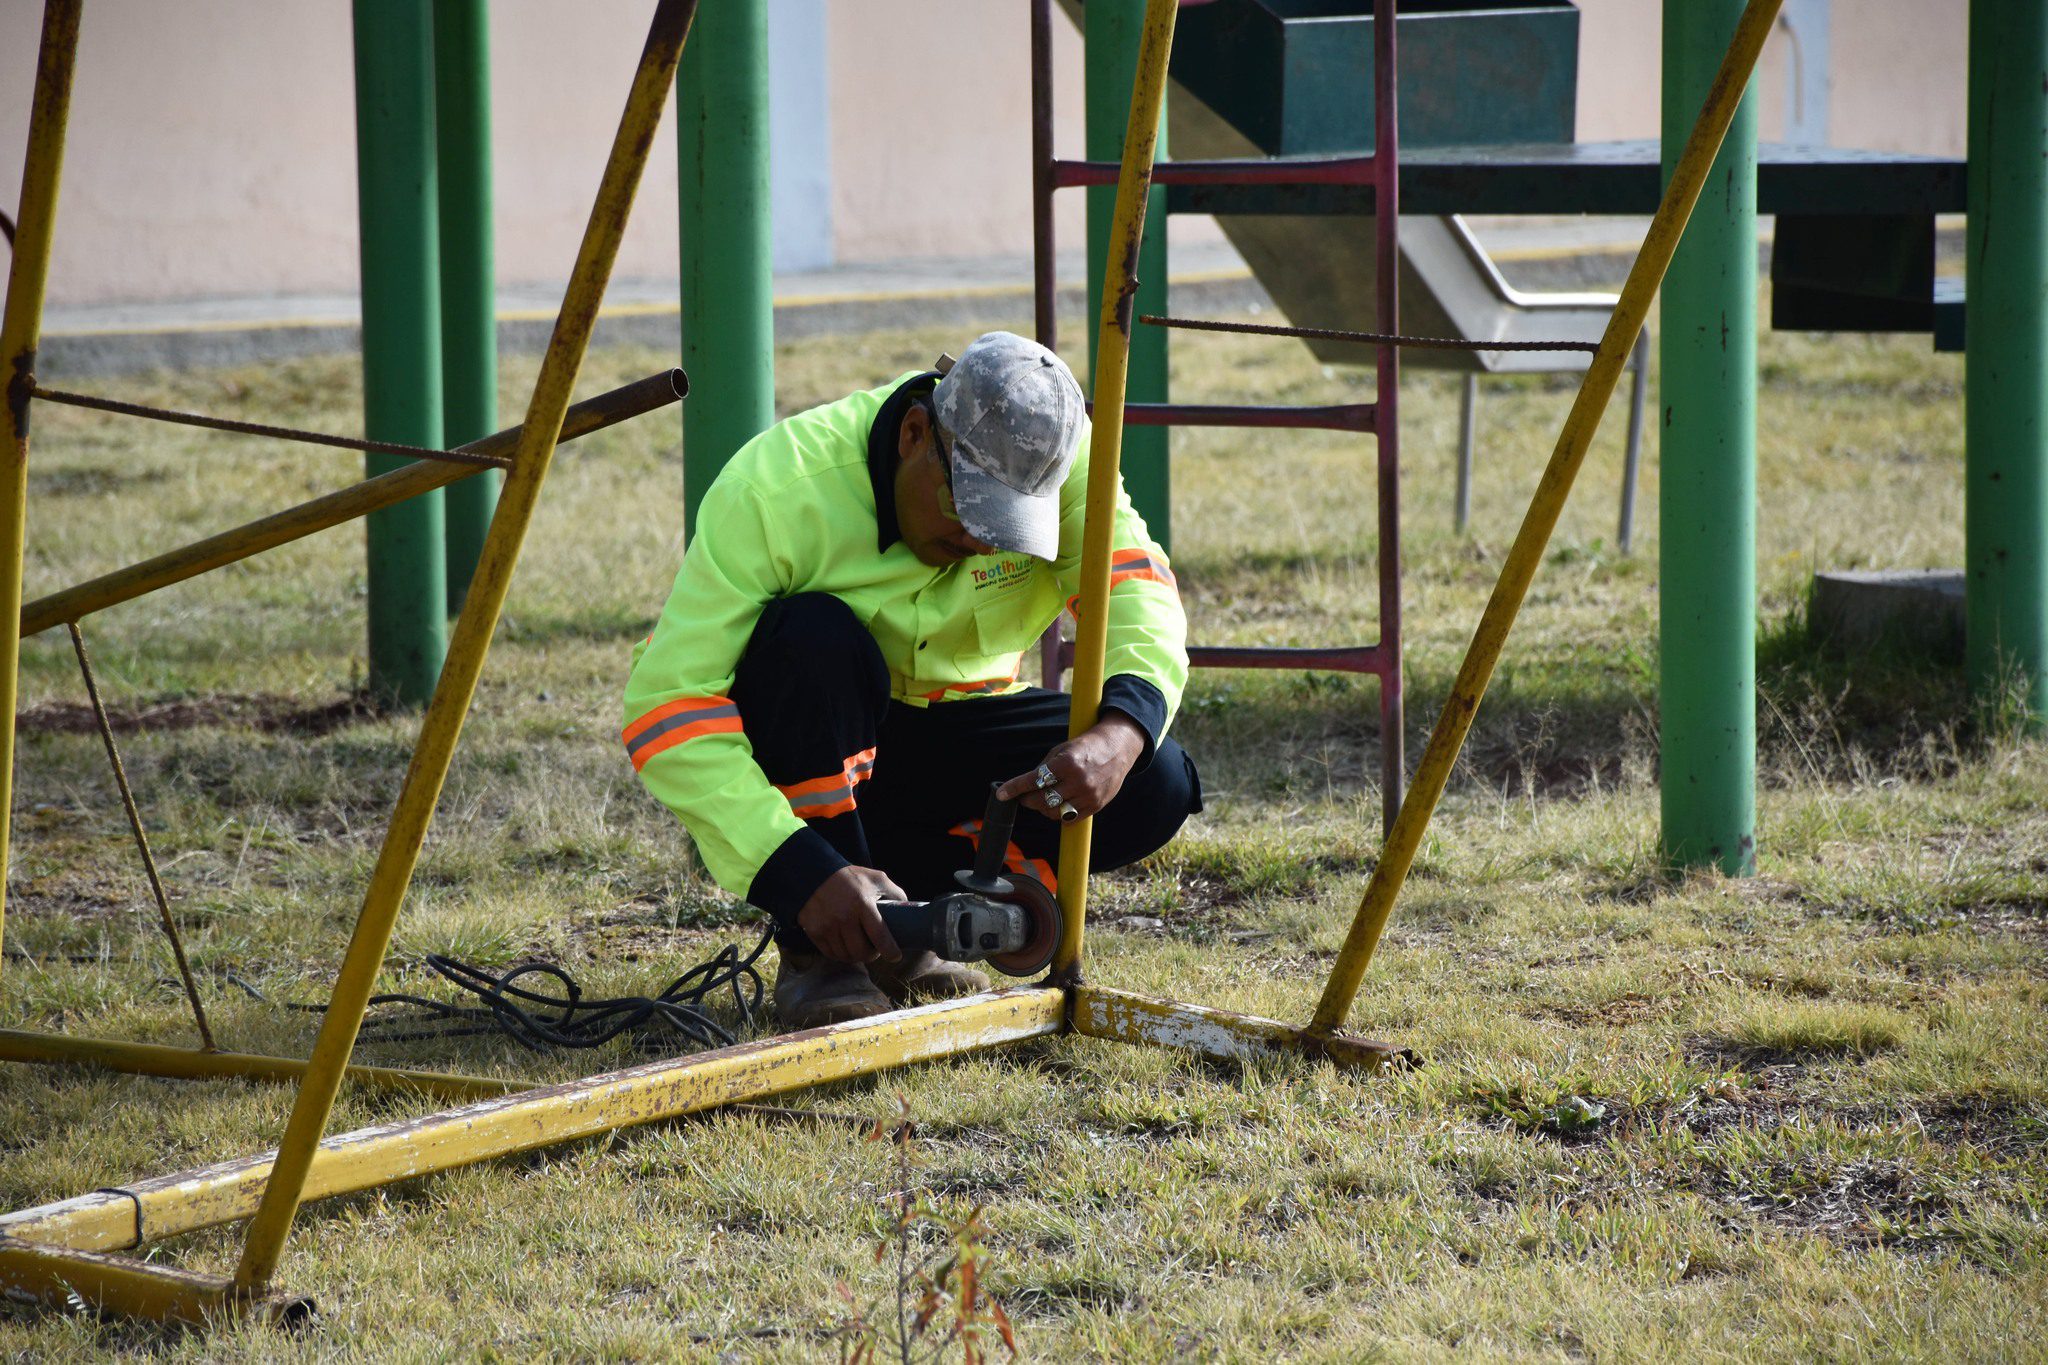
point(104, 1220)
point(62, 1277)
point(1105, 446)
point(192, 1064)
point(1129, 1018)
point(20, 332)
point(1644, 277)
point(331, 509)
point(442, 725)
point(150, 1210)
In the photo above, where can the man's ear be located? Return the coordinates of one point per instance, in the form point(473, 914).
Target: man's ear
point(911, 431)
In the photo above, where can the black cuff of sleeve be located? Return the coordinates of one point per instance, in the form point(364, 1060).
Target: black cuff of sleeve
point(1143, 703)
point(792, 873)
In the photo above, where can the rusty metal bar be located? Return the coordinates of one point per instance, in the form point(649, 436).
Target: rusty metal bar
point(442, 726)
point(1387, 249)
point(1105, 445)
point(20, 332)
point(1347, 170)
point(1044, 282)
point(331, 509)
point(1129, 1018)
point(241, 428)
point(1526, 554)
point(1363, 338)
point(183, 1063)
point(165, 1206)
point(1359, 417)
point(156, 883)
point(1336, 659)
point(62, 1277)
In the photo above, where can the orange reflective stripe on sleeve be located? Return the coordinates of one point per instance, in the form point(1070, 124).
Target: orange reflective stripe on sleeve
point(820, 798)
point(1139, 564)
point(1038, 869)
point(1130, 565)
point(673, 722)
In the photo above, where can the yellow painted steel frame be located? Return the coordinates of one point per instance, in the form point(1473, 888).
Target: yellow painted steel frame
point(442, 725)
point(20, 331)
point(1105, 445)
point(1688, 176)
point(57, 1252)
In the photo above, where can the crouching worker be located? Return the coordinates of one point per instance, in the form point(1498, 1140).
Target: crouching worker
point(832, 686)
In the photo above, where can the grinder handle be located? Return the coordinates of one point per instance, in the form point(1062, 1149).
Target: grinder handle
point(996, 822)
point(913, 926)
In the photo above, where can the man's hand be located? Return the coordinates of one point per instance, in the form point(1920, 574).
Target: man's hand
point(1088, 770)
point(842, 920)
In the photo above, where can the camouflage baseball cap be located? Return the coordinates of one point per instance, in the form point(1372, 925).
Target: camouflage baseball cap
point(1012, 413)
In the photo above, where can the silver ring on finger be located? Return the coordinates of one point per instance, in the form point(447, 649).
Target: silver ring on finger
point(1053, 799)
point(1068, 813)
point(1044, 777)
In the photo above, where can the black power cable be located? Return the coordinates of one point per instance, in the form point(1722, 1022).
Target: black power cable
point(511, 1002)
point(538, 1018)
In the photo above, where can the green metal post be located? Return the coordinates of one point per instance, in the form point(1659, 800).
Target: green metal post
point(396, 197)
point(1707, 508)
point(728, 285)
point(2006, 389)
point(1115, 30)
point(469, 312)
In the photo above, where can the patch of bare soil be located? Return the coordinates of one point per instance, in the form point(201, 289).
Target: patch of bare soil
point(269, 714)
point(76, 896)
point(1865, 1202)
point(1773, 1064)
point(1560, 775)
point(1621, 1011)
point(1990, 1124)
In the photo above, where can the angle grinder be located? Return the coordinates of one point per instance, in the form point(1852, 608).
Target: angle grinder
point(1011, 923)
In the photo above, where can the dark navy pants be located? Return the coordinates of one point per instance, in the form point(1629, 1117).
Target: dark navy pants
point(902, 788)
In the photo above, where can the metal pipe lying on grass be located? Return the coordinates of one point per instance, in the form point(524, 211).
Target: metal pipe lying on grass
point(164, 1206)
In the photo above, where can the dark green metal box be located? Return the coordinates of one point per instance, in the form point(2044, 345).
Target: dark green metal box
point(1295, 76)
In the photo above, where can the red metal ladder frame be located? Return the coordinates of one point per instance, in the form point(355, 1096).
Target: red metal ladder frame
point(1380, 419)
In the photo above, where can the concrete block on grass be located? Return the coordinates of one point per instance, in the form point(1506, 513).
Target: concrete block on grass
point(1919, 610)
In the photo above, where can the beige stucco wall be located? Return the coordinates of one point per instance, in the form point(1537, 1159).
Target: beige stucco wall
point(212, 145)
point(1900, 77)
point(1898, 69)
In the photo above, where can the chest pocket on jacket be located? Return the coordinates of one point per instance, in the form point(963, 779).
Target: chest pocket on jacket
point(1010, 621)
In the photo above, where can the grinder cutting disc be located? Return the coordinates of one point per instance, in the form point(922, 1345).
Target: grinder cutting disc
point(1047, 921)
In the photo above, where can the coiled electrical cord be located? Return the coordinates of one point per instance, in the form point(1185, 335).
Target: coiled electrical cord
point(515, 1003)
point(537, 1018)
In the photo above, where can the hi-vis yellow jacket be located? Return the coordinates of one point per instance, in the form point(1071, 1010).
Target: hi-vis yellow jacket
point(795, 512)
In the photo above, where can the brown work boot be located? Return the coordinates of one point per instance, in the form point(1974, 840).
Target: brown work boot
point(812, 990)
point(926, 977)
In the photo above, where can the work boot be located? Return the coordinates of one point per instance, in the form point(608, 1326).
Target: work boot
point(926, 977)
point(812, 990)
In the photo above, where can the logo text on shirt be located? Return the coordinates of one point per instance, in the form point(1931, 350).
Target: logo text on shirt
point(1001, 574)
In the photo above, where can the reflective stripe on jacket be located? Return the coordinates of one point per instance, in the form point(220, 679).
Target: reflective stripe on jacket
point(794, 512)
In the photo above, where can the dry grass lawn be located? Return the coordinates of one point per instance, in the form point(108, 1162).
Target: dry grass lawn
point(1803, 1115)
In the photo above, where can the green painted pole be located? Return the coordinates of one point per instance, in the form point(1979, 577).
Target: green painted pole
point(728, 285)
point(1114, 31)
point(469, 304)
point(1707, 506)
point(395, 186)
point(2006, 389)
